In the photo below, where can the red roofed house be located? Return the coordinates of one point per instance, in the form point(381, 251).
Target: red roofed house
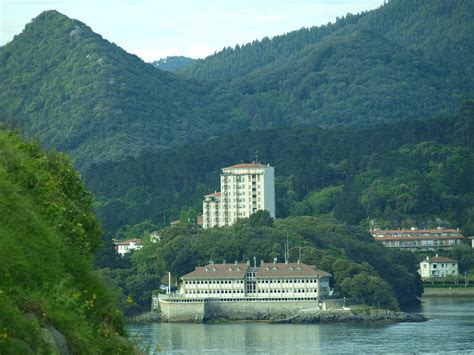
point(438, 267)
point(245, 189)
point(126, 246)
point(419, 239)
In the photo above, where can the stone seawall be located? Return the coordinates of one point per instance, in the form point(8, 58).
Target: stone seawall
point(251, 310)
point(240, 310)
point(181, 312)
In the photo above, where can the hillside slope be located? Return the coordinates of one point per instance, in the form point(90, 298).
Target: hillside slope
point(63, 83)
point(51, 301)
point(76, 91)
point(438, 31)
point(395, 167)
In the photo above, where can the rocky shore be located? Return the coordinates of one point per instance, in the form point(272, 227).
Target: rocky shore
point(148, 317)
point(357, 315)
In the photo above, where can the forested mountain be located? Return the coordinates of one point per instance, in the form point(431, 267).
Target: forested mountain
point(63, 83)
point(76, 91)
point(173, 63)
point(396, 174)
point(437, 31)
point(51, 302)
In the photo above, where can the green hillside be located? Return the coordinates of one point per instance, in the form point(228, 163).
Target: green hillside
point(63, 83)
point(437, 31)
point(353, 79)
point(82, 94)
point(51, 301)
point(173, 63)
point(397, 174)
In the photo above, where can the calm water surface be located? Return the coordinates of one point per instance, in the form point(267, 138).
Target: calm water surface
point(450, 330)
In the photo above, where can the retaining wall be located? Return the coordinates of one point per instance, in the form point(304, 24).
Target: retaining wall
point(182, 311)
point(192, 311)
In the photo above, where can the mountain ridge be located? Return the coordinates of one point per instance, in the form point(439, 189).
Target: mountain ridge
point(75, 91)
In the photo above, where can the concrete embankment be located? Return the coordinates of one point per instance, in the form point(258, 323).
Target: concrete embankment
point(449, 292)
point(363, 315)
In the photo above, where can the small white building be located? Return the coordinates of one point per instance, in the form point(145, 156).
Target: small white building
point(126, 246)
point(438, 267)
point(472, 242)
point(155, 237)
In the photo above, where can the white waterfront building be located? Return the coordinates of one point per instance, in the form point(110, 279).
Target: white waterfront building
point(245, 189)
point(438, 267)
point(269, 281)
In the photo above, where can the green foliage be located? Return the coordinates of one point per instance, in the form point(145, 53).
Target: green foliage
point(173, 63)
point(371, 289)
point(356, 261)
point(133, 277)
point(47, 235)
point(81, 94)
point(260, 219)
point(84, 95)
point(390, 175)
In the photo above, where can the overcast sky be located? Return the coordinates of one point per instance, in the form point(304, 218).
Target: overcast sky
point(154, 29)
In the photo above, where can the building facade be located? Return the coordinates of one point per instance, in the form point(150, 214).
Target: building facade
point(126, 246)
point(245, 189)
point(269, 281)
point(438, 267)
point(419, 239)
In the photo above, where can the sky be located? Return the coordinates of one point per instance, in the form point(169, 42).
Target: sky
point(154, 29)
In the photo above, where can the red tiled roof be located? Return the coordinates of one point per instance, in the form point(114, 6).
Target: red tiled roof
point(217, 194)
point(265, 270)
point(416, 231)
point(290, 270)
point(221, 271)
point(428, 237)
point(247, 166)
point(442, 259)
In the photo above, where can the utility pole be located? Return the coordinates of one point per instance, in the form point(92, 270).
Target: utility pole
point(169, 283)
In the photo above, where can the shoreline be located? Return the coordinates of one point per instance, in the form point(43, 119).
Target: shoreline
point(308, 316)
point(448, 292)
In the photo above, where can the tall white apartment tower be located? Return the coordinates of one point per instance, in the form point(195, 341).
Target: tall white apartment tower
point(245, 189)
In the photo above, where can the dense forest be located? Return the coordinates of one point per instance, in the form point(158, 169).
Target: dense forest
point(173, 63)
point(400, 174)
point(74, 90)
point(51, 300)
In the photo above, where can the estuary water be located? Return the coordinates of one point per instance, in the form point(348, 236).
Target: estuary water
point(449, 330)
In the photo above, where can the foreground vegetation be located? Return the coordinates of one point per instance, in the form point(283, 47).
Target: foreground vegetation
point(50, 299)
